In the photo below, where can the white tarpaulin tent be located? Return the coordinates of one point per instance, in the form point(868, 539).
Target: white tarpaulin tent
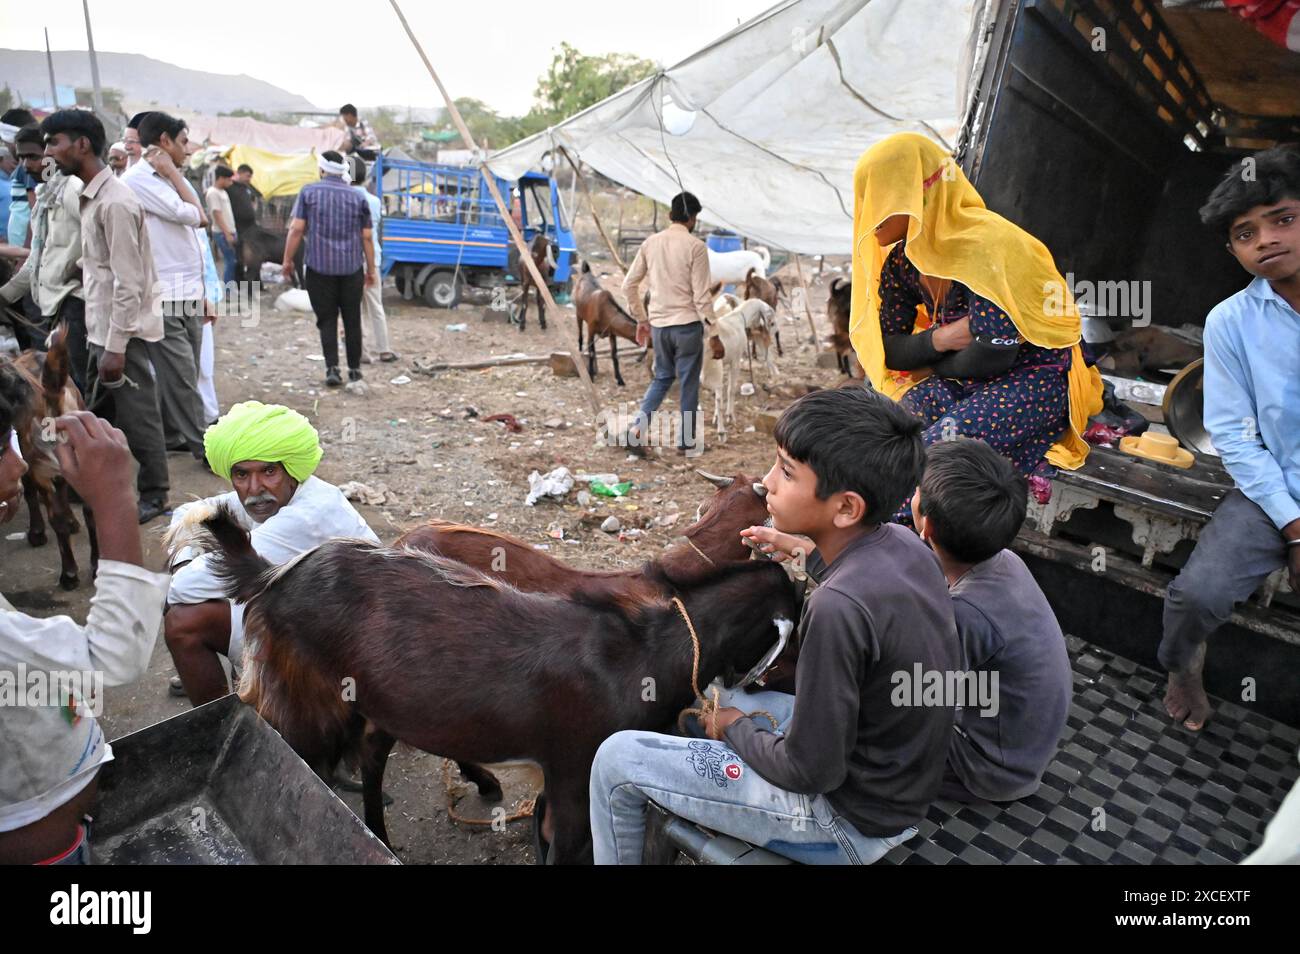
point(765, 124)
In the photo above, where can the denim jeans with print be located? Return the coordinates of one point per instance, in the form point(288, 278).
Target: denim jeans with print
point(707, 783)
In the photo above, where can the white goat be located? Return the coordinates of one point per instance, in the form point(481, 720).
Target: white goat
point(721, 375)
point(730, 268)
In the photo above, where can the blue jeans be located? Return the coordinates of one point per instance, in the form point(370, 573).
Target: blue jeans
point(707, 783)
point(679, 354)
point(228, 258)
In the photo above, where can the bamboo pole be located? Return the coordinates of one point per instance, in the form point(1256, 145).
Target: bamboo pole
point(798, 270)
point(525, 254)
point(591, 206)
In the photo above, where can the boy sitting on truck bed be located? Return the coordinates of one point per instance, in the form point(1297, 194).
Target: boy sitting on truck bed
point(1252, 411)
point(849, 774)
point(969, 507)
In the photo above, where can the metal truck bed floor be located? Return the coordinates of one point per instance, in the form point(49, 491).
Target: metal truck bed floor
point(1168, 795)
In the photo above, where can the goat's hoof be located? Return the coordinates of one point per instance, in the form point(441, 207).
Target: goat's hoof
point(69, 581)
point(491, 793)
point(37, 538)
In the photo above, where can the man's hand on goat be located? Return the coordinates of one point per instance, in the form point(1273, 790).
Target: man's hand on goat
point(642, 333)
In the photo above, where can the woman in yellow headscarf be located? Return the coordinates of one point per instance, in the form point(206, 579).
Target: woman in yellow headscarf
point(961, 315)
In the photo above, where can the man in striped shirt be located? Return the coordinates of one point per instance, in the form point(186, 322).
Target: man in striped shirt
point(340, 260)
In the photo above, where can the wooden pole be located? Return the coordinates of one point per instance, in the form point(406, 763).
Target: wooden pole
point(798, 270)
point(525, 254)
point(591, 205)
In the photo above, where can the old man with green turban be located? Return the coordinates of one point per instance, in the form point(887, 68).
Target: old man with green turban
point(269, 453)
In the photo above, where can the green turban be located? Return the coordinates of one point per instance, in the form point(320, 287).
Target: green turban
point(256, 431)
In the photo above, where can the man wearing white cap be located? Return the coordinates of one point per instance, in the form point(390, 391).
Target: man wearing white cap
point(117, 158)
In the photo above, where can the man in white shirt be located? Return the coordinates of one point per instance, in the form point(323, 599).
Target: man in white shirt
point(268, 452)
point(53, 746)
point(174, 217)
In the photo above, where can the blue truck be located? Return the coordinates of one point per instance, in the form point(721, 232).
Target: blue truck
point(442, 232)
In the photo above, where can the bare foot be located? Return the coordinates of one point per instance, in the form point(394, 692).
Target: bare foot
point(1185, 698)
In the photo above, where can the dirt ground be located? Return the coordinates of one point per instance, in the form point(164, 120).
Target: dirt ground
point(418, 445)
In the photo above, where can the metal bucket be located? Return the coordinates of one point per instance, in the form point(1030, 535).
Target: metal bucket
point(1184, 409)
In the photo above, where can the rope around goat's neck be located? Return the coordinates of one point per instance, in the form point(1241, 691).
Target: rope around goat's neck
point(707, 707)
point(707, 559)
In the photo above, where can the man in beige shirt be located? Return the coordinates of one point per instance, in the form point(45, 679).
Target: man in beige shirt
point(674, 265)
point(121, 291)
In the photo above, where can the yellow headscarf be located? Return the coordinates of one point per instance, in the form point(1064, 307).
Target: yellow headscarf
point(270, 432)
point(952, 235)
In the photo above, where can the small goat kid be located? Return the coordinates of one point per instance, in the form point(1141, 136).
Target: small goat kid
point(720, 371)
point(50, 393)
point(543, 255)
point(769, 291)
point(837, 309)
point(602, 316)
point(459, 664)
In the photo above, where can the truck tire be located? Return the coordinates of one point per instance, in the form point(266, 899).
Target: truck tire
point(442, 290)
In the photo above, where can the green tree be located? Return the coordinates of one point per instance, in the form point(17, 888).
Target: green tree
point(387, 126)
point(575, 81)
point(6, 98)
point(489, 128)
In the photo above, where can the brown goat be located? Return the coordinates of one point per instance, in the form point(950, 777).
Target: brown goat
point(49, 394)
point(713, 539)
point(837, 309)
point(457, 663)
point(543, 255)
point(602, 316)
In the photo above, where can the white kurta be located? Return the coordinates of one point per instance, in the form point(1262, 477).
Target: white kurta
point(46, 757)
point(316, 512)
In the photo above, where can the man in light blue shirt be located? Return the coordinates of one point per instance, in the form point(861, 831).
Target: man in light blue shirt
point(1252, 411)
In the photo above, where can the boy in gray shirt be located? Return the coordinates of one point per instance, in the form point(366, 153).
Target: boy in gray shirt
point(968, 508)
point(847, 772)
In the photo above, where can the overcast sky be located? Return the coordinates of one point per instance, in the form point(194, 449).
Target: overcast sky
point(328, 52)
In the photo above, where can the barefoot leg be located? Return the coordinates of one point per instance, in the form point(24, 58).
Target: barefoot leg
point(1185, 698)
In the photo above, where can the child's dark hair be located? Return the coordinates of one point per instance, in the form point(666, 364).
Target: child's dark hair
point(856, 439)
point(973, 499)
point(1275, 175)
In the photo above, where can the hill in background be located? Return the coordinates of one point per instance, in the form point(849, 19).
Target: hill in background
point(143, 79)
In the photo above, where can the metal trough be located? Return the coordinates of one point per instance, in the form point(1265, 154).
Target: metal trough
point(217, 785)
